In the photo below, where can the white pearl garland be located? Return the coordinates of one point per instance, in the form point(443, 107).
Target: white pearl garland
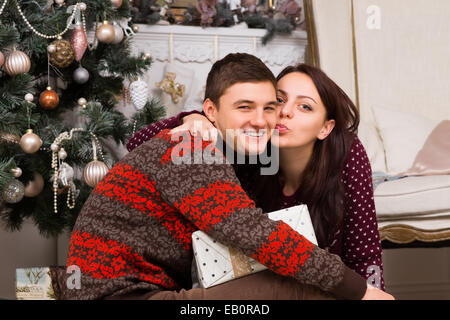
point(79, 6)
point(55, 147)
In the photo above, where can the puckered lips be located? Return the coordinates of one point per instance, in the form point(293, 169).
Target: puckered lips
point(281, 128)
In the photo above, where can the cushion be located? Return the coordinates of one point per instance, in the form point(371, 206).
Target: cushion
point(434, 157)
point(371, 141)
point(413, 196)
point(403, 135)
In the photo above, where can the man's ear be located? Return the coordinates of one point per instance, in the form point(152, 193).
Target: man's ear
point(210, 110)
point(326, 129)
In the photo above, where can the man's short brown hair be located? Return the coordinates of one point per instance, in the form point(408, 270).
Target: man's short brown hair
point(232, 69)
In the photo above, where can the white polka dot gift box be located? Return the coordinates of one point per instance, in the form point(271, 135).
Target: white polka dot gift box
point(217, 263)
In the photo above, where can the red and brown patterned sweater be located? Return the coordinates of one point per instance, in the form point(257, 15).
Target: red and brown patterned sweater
point(133, 235)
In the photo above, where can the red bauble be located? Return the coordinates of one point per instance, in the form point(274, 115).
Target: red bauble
point(49, 99)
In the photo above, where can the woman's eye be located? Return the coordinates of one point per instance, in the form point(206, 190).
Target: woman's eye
point(305, 107)
point(280, 100)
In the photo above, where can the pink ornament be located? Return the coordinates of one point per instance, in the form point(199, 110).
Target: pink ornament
point(78, 41)
point(2, 59)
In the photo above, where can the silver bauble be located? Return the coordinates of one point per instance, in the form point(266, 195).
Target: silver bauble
point(13, 192)
point(81, 75)
point(94, 172)
point(118, 34)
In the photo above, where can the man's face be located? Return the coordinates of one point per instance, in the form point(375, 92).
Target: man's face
point(246, 116)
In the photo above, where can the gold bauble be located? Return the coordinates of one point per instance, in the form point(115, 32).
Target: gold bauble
point(35, 186)
point(16, 63)
point(105, 33)
point(94, 172)
point(63, 55)
point(30, 142)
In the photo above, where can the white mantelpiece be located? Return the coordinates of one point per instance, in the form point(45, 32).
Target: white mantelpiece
point(188, 44)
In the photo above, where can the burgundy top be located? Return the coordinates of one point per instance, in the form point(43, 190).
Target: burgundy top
point(358, 241)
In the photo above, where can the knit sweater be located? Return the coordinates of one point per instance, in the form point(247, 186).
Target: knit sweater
point(133, 235)
point(357, 242)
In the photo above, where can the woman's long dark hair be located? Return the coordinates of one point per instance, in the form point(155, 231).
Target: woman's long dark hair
point(321, 187)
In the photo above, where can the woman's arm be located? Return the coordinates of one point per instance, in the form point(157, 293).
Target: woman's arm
point(154, 128)
point(361, 249)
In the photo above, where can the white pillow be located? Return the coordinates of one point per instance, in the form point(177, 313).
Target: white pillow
point(371, 141)
point(403, 135)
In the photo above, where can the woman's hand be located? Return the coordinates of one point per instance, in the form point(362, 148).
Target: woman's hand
point(373, 293)
point(198, 124)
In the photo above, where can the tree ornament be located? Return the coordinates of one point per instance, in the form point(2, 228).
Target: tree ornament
point(59, 2)
point(17, 172)
point(16, 63)
point(139, 93)
point(105, 33)
point(82, 102)
point(30, 142)
point(118, 33)
point(29, 97)
point(62, 154)
point(13, 192)
point(51, 48)
point(94, 172)
point(80, 75)
point(63, 55)
point(49, 99)
point(35, 186)
point(116, 3)
point(2, 59)
point(79, 41)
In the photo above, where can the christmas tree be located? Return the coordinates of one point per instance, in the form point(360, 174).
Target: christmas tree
point(62, 61)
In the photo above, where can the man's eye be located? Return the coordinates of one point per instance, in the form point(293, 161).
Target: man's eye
point(270, 108)
point(243, 107)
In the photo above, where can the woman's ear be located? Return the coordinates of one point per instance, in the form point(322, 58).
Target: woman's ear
point(326, 129)
point(210, 110)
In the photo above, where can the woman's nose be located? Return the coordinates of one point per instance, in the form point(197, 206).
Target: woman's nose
point(286, 111)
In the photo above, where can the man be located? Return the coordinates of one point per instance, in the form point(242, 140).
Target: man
point(132, 238)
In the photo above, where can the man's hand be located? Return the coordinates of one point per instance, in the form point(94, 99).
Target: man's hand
point(198, 124)
point(373, 293)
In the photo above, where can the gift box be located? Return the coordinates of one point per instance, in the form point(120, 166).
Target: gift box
point(217, 263)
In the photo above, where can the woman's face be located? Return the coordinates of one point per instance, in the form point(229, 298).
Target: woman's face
point(302, 112)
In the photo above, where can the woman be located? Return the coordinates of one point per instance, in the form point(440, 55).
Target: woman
point(322, 164)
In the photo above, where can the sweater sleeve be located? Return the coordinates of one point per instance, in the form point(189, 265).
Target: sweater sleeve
point(154, 128)
point(211, 197)
point(361, 240)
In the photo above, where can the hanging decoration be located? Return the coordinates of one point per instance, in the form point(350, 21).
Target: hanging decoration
point(105, 33)
point(2, 59)
point(17, 62)
point(34, 186)
point(80, 75)
point(30, 142)
point(78, 41)
point(49, 99)
point(139, 93)
point(95, 170)
point(14, 192)
point(63, 55)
